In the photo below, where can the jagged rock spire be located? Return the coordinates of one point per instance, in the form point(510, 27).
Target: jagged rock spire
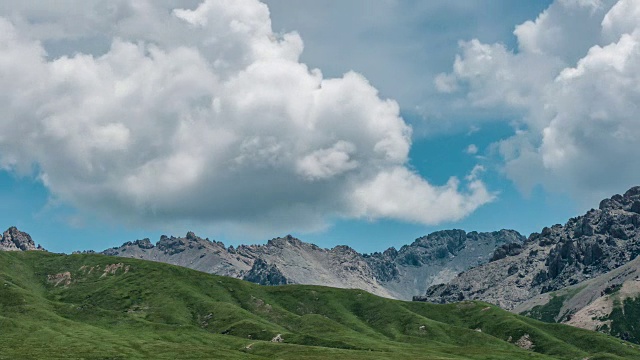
point(16, 240)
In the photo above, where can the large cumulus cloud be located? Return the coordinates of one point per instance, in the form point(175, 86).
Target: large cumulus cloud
point(574, 81)
point(203, 114)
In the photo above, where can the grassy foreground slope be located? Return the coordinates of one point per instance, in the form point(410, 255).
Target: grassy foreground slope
point(99, 307)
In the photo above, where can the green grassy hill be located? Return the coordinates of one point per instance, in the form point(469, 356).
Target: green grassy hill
point(100, 307)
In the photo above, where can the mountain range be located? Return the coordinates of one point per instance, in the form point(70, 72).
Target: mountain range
point(398, 274)
point(584, 273)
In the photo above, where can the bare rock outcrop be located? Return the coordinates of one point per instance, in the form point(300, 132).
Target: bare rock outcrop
point(607, 303)
point(16, 240)
point(265, 274)
point(436, 258)
point(585, 247)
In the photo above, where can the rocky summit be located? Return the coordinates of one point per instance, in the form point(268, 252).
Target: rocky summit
point(400, 274)
point(16, 240)
point(560, 256)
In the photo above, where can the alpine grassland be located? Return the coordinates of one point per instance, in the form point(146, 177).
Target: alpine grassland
point(88, 306)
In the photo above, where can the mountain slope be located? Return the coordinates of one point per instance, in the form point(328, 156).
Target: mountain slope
point(99, 307)
point(393, 273)
point(607, 303)
point(584, 248)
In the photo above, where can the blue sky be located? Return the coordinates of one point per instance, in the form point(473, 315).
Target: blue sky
point(185, 150)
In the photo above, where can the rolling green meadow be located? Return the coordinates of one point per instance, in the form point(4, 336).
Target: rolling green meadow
point(90, 306)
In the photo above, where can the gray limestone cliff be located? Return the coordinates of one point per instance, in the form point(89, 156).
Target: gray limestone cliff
point(560, 256)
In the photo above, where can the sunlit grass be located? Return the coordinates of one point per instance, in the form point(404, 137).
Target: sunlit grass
point(158, 311)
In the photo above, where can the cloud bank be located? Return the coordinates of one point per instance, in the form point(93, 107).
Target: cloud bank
point(203, 114)
point(574, 81)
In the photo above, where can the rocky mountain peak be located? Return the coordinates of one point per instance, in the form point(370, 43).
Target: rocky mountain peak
point(630, 201)
point(451, 238)
point(633, 193)
point(169, 245)
point(174, 245)
point(446, 244)
point(345, 250)
point(586, 246)
point(16, 240)
point(391, 253)
point(283, 241)
point(144, 244)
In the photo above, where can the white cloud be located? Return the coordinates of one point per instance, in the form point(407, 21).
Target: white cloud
point(621, 19)
point(206, 115)
point(472, 149)
point(445, 83)
point(404, 193)
point(565, 30)
point(574, 81)
point(327, 163)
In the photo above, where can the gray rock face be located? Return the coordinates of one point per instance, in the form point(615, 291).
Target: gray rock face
point(393, 273)
point(505, 250)
point(190, 251)
point(400, 274)
point(265, 274)
point(436, 258)
point(16, 240)
point(590, 304)
point(560, 256)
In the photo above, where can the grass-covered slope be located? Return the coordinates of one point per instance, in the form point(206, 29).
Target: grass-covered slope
point(99, 307)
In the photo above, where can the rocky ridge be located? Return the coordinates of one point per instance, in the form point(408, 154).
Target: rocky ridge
point(393, 273)
point(400, 274)
point(436, 258)
point(15, 240)
point(585, 247)
point(608, 303)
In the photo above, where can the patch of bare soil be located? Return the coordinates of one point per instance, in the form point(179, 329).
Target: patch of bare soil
point(590, 317)
point(525, 342)
point(113, 268)
point(61, 278)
